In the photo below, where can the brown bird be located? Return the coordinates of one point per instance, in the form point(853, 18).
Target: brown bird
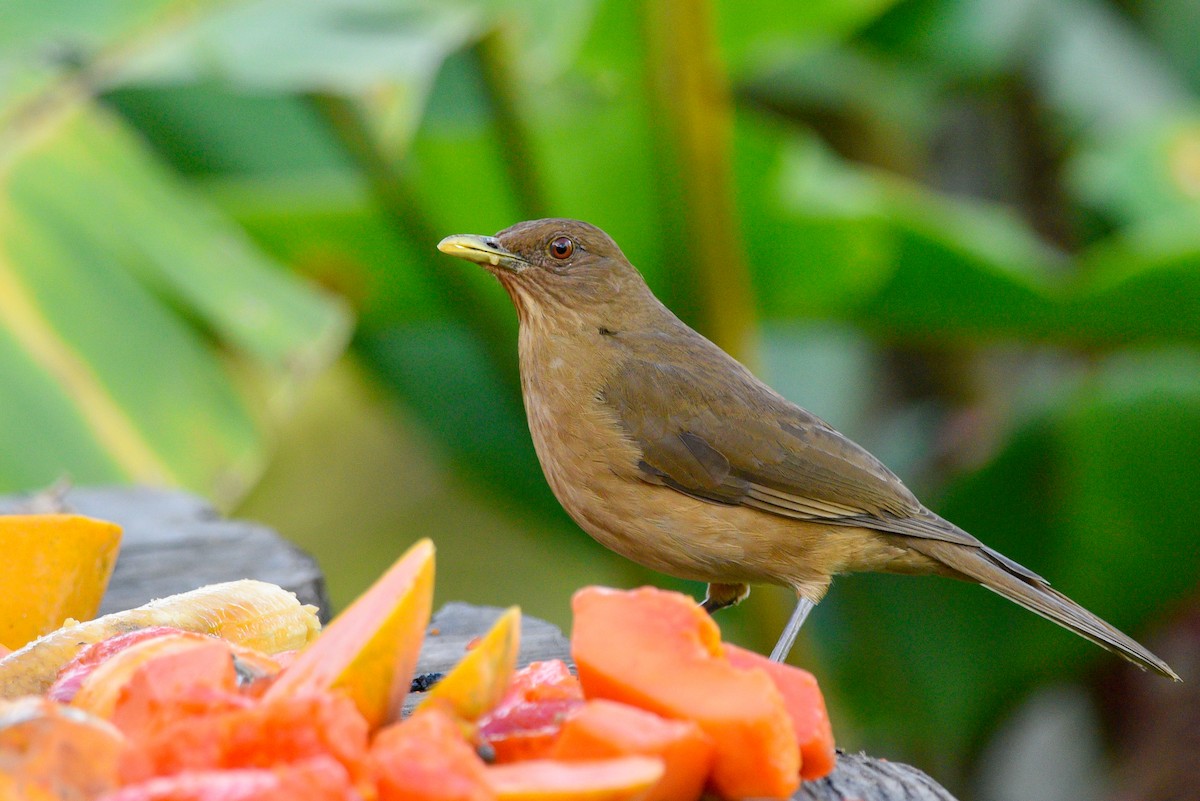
point(668, 451)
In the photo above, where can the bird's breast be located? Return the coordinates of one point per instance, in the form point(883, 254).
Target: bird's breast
point(591, 465)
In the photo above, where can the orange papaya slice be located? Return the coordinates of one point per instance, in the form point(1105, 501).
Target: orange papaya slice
point(550, 679)
point(317, 779)
point(527, 720)
point(199, 730)
point(620, 779)
point(55, 567)
point(481, 678)
point(427, 758)
point(661, 652)
point(608, 729)
point(805, 706)
point(370, 650)
point(72, 674)
point(170, 661)
point(526, 729)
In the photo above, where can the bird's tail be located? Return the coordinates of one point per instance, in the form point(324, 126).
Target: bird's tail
point(1005, 577)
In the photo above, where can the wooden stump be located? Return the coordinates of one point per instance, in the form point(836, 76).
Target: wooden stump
point(176, 542)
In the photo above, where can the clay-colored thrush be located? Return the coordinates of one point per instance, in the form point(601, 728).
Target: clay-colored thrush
point(669, 452)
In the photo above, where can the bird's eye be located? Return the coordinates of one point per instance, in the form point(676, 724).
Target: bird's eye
point(562, 247)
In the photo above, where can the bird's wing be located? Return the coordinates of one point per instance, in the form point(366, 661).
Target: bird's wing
point(720, 435)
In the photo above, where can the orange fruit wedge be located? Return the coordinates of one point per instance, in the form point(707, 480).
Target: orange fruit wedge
point(184, 658)
point(477, 683)
point(661, 652)
point(805, 706)
point(370, 650)
point(619, 779)
point(55, 567)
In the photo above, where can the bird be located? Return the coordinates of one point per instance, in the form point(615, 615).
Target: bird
point(668, 451)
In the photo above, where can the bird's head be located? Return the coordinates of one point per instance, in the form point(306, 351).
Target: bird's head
point(554, 266)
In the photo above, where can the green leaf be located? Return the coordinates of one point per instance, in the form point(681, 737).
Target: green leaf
point(852, 242)
point(1141, 284)
point(163, 329)
point(1148, 175)
point(747, 43)
point(386, 53)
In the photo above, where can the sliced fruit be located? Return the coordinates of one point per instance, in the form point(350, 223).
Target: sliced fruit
point(527, 720)
point(526, 729)
point(48, 748)
point(201, 730)
point(55, 567)
point(164, 664)
point(608, 729)
point(660, 651)
point(621, 779)
point(252, 613)
point(541, 681)
point(477, 683)
point(370, 650)
point(317, 779)
point(90, 656)
point(427, 758)
point(805, 706)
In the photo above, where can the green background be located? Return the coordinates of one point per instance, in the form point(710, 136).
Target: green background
point(966, 232)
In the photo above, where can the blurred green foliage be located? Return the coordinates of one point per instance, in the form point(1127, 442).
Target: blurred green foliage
point(967, 232)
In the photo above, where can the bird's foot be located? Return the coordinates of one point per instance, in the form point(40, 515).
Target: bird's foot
point(720, 596)
point(784, 647)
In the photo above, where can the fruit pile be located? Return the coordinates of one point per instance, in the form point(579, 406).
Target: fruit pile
point(228, 693)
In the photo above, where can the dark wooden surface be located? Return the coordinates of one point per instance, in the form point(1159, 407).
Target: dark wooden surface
point(175, 542)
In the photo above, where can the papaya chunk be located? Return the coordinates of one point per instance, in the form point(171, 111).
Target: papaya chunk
point(200, 730)
point(526, 729)
point(528, 719)
point(55, 567)
point(317, 779)
point(72, 674)
point(805, 706)
point(619, 779)
point(162, 663)
point(369, 651)
point(661, 652)
point(608, 729)
point(550, 679)
point(480, 679)
point(427, 758)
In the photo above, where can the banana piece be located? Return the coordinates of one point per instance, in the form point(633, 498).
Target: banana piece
point(255, 614)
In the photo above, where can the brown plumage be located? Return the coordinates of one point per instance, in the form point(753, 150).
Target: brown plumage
point(671, 453)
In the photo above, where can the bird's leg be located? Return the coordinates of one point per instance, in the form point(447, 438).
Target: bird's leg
point(782, 648)
point(720, 596)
